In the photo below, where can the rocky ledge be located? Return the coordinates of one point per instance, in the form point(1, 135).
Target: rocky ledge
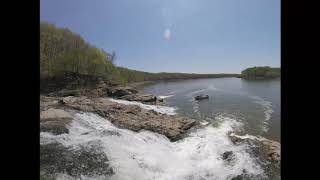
point(54, 120)
point(102, 89)
point(124, 116)
point(271, 148)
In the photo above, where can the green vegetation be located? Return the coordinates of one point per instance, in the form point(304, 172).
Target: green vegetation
point(260, 73)
point(135, 76)
point(64, 52)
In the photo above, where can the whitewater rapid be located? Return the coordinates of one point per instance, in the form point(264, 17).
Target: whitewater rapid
point(160, 109)
point(146, 155)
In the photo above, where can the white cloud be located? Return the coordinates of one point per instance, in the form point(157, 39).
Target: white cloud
point(167, 34)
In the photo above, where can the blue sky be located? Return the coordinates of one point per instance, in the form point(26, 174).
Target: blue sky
point(192, 36)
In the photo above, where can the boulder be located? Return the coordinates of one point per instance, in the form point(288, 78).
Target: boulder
point(120, 91)
point(227, 155)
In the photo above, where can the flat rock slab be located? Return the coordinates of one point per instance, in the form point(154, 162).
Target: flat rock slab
point(139, 97)
point(54, 121)
point(54, 115)
point(48, 102)
point(119, 91)
point(133, 117)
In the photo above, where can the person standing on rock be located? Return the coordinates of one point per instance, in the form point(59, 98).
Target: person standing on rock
point(155, 99)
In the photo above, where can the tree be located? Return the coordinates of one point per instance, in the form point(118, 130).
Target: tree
point(113, 57)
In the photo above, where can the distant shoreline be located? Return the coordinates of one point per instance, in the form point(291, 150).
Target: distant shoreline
point(142, 83)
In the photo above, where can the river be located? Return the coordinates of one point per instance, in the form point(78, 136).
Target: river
point(250, 108)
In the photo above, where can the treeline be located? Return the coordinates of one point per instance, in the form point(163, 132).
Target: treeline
point(136, 76)
point(261, 72)
point(64, 52)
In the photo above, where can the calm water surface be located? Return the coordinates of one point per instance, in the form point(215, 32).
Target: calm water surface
point(256, 103)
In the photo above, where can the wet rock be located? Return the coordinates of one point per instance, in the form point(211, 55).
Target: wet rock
point(243, 176)
point(133, 117)
point(120, 91)
point(273, 150)
point(49, 102)
point(55, 115)
point(54, 121)
point(274, 156)
point(235, 139)
point(239, 177)
point(95, 92)
point(227, 155)
point(54, 127)
point(80, 103)
point(140, 97)
point(111, 133)
point(88, 161)
point(133, 109)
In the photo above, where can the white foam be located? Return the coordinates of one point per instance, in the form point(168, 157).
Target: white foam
point(267, 106)
point(165, 97)
point(157, 108)
point(211, 87)
point(195, 107)
point(203, 122)
point(251, 137)
point(146, 155)
point(198, 91)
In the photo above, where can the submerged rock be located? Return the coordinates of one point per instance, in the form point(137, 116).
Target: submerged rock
point(87, 161)
point(227, 155)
